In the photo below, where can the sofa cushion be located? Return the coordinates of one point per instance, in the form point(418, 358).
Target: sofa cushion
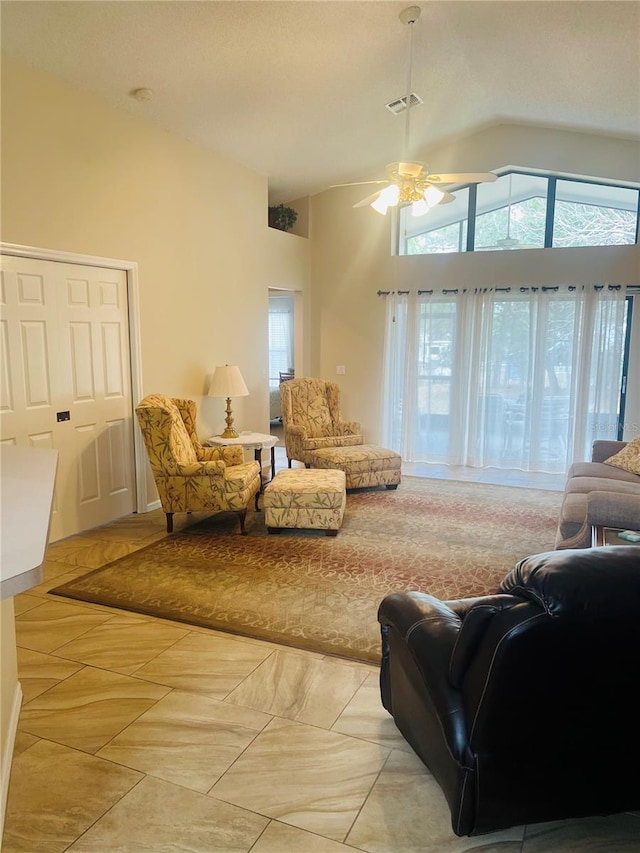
point(628, 458)
point(601, 469)
point(584, 485)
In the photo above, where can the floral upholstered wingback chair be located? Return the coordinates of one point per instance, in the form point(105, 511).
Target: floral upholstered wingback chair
point(311, 418)
point(188, 476)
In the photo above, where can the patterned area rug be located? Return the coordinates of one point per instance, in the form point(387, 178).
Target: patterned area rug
point(305, 589)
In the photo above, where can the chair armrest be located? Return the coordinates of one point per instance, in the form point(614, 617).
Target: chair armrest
point(231, 454)
point(433, 628)
point(213, 469)
point(409, 612)
point(427, 629)
point(296, 429)
point(602, 449)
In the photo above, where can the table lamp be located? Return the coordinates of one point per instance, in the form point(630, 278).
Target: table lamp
point(228, 382)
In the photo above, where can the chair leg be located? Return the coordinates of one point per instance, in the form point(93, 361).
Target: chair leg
point(242, 513)
point(169, 522)
point(258, 501)
point(288, 462)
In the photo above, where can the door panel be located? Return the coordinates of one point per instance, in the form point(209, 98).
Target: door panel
point(65, 383)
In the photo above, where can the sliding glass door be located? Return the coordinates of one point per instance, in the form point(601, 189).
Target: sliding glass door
point(504, 379)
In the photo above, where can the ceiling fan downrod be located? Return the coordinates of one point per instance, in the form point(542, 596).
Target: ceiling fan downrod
point(409, 16)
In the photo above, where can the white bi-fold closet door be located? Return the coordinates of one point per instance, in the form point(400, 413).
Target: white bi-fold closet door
point(65, 383)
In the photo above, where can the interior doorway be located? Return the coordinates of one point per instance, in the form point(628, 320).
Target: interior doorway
point(282, 348)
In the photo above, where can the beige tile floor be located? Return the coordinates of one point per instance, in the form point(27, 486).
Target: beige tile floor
point(140, 735)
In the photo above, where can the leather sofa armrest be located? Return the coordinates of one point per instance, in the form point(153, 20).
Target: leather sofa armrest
point(441, 635)
point(431, 628)
point(418, 636)
point(420, 628)
point(475, 622)
point(420, 619)
point(602, 449)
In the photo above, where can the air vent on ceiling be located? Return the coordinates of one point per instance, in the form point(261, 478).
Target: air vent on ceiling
point(400, 104)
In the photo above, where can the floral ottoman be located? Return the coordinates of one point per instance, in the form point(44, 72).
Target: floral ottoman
point(302, 497)
point(363, 464)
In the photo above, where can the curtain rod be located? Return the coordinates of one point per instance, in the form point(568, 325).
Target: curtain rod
point(633, 288)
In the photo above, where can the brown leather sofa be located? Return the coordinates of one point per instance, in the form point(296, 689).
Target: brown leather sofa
point(522, 704)
point(597, 494)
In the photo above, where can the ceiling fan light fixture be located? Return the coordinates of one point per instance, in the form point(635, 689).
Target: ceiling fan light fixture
point(419, 208)
point(430, 198)
point(406, 170)
point(433, 196)
point(388, 197)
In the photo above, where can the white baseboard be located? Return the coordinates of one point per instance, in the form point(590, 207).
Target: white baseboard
point(7, 753)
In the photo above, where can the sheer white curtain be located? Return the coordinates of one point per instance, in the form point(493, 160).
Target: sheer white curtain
point(521, 379)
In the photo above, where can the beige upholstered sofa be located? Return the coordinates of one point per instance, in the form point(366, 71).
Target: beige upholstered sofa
point(605, 491)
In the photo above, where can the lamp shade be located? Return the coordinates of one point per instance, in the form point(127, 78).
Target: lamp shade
point(228, 382)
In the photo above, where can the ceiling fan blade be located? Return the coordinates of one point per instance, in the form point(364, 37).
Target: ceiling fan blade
point(369, 199)
point(446, 198)
point(356, 184)
point(462, 178)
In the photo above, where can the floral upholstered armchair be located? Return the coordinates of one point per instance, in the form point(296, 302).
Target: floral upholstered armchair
point(311, 418)
point(188, 476)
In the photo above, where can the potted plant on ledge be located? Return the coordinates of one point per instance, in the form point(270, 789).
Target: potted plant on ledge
point(281, 217)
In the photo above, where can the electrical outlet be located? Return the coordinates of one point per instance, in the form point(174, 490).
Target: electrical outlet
point(341, 369)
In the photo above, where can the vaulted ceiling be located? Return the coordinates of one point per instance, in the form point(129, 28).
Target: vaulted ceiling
point(297, 90)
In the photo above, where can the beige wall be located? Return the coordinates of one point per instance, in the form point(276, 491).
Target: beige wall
point(534, 147)
point(79, 176)
point(351, 260)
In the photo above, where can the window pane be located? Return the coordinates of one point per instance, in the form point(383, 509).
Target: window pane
point(442, 229)
point(436, 342)
point(594, 215)
point(511, 213)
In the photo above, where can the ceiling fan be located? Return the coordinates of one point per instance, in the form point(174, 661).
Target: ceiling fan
point(410, 183)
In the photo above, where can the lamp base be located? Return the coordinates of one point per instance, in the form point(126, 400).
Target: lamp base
point(229, 432)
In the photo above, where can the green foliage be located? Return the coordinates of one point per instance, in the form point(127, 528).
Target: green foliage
point(282, 217)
